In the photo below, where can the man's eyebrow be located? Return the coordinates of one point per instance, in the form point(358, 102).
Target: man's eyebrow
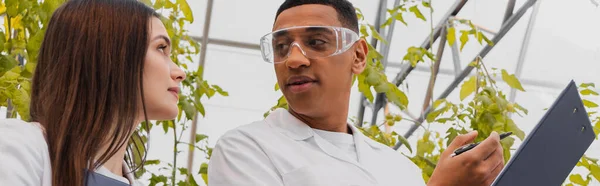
point(280, 33)
point(319, 29)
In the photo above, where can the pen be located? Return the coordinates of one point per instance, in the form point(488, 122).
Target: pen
point(468, 147)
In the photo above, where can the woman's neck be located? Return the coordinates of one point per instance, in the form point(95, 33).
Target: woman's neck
point(115, 163)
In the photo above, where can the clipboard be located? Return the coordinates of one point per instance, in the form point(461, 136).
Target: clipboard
point(554, 146)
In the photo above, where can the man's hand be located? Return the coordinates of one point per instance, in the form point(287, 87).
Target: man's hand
point(476, 167)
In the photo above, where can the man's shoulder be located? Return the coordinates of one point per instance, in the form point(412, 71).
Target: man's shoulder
point(247, 133)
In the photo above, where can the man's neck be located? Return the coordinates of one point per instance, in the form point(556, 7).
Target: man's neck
point(332, 123)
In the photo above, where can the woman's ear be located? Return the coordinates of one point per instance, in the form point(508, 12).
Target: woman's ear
point(360, 59)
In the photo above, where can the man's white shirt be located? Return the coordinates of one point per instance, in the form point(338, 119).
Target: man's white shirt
point(282, 150)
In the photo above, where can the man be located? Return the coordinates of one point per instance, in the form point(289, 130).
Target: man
point(316, 50)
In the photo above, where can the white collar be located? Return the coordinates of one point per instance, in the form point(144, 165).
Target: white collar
point(298, 130)
point(128, 179)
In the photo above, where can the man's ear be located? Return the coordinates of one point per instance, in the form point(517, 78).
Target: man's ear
point(360, 59)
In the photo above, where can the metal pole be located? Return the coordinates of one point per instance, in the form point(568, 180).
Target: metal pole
point(209, 7)
point(229, 43)
point(525, 47)
point(385, 50)
point(510, 8)
point(378, 22)
point(427, 44)
point(505, 28)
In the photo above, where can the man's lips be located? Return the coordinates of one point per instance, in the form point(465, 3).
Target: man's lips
point(298, 84)
point(299, 80)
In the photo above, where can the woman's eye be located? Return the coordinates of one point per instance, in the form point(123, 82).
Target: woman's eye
point(162, 48)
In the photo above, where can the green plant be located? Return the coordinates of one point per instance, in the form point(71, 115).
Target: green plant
point(20, 39)
point(21, 36)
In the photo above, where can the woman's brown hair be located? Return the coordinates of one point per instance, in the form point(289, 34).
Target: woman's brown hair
point(87, 85)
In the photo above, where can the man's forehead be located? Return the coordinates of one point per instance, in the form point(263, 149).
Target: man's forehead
point(306, 26)
point(307, 15)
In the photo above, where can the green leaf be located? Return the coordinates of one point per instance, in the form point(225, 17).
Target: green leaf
point(586, 85)
point(426, 4)
point(376, 34)
point(188, 108)
point(204, 172)
point(183, 171)
point(464, 38)
point(152, 162)
point(387, 22)
point(451, 36)
point(187, 11)
point(586, 92)
point(12, 7)
point(438, 102)
point(200, 137)
point(468, 87)
point(158, 179)
point(577, 179)
point(589, 104)
point(512, 127)
point(433, 115)
point(512, 81)
point(220, 90)
point(425, 146)
point(200, 108)
point(417, 12)
point(405, 142)
point(396, 96)
point(479, 37)
point(7, 63)
point(452, 133)
point(506, 144)
point(400, 18)
point(159, 4)
point(364, 33)
point(488, 41)
point(519, 107)
point(364, 88)
point(165, 126)
point(595, 171)
point(359, 14)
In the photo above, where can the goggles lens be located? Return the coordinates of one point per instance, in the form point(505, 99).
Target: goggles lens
point(312, 41)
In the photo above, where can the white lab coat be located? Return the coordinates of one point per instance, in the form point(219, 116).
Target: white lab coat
point(24, 157)
point(282, 150)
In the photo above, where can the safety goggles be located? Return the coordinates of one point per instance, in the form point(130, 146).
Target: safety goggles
point(312, 41)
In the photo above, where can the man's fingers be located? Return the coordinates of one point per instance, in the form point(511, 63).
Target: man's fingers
point(495, 172)
point(487, 146)
point(461, 140)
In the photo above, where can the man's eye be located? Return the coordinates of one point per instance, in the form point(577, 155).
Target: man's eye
point(316, 42)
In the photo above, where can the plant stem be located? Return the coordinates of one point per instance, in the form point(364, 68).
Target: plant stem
point(175, 142)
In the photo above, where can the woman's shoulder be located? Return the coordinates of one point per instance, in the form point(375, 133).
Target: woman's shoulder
point(23, 153)
point(18, 136)
point(22, 130)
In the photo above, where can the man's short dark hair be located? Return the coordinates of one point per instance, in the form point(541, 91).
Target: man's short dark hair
point(345, 10)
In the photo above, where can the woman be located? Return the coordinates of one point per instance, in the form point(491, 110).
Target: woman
point(103, 68)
